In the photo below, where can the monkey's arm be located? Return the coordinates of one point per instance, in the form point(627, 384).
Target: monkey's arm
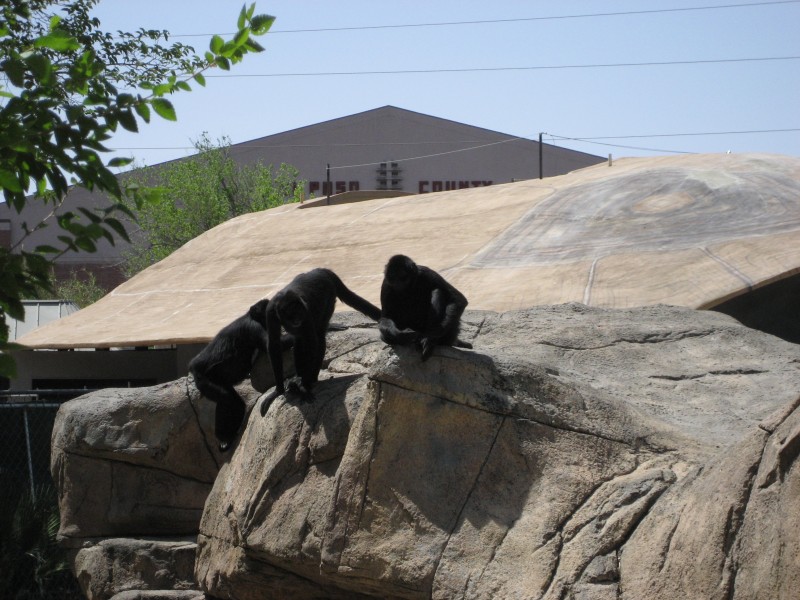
point(447, 306)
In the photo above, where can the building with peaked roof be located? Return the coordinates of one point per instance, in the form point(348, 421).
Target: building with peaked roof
point(390, 149)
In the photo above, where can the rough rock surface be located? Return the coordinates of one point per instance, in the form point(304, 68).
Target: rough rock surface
point(114, 565)
point(133, 468)
point(575, 453)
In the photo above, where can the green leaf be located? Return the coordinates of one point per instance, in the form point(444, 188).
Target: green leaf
point(9, 181)
point(86, 245)
point(58, 40)
point(242, 18)
point(223, 63)
point(40, 66)
point(118, 228)
point(216, 44)
point(200, 79)
point(89, 214)
point(164, 109)
point(15, 310)
point(260, 24)
point(161, 89)
point(227, 49)
point(14, 69)
point(143, 110)
point(8, 367)
point(254, 46)
point(47, 249)
point(241, 36)
point(120, 161)
point(128, 121)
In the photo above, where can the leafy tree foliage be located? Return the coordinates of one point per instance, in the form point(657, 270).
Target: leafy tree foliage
point(81, 287)
point(60, 103)
point(198, 193)
point(32, 562)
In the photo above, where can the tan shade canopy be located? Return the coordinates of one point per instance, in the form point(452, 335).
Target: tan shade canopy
point(691, 230)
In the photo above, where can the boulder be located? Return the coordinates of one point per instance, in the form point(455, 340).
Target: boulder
point(574, 453)
point(160, 595)
point(133, 468)
point(133, 461)
point(106, 568)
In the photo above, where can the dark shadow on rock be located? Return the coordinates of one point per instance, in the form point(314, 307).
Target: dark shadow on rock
point(772, 309)
point(320, 430)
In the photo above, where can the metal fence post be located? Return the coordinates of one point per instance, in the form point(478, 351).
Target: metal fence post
point(28, 446)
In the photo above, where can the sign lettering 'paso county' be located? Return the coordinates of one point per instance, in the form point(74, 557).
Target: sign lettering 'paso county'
point(423, 187)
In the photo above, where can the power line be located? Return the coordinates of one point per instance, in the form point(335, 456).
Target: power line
point(515, 20)
point(588, 141)
point(398, 160)
point(532, 68)
point(657, 135)
point(593, 140)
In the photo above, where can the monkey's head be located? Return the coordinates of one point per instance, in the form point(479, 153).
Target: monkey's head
point(400, 272)
point(258, 312)
point(292, 311)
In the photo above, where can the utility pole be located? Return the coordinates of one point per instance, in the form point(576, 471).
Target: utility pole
point(541, 133)
point(328, 178)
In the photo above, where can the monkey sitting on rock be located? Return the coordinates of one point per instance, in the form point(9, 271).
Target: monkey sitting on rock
point(419, 307)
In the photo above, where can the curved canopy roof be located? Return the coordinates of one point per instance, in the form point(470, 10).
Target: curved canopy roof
point(691, 230)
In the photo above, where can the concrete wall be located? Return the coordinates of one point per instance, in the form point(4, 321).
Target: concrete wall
point(55, 369)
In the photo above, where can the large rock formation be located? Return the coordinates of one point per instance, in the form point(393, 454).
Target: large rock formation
point(574, 453)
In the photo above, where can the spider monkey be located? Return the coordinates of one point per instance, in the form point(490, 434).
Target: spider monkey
point(304, 309)
point(419, 307)
point(226, 361)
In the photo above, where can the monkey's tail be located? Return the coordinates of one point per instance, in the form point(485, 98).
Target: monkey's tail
point(353, 300)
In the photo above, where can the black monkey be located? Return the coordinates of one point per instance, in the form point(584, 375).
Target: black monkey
point(418, 306)
point(227, 361)
point(304, 308)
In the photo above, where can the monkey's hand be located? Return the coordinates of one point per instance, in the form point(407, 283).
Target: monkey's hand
point(301, 391)
point(267, 401)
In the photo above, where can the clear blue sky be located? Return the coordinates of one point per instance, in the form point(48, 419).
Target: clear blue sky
point(568, 101)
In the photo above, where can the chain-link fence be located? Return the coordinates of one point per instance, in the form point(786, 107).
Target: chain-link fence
point(25, 442)
point(32, 564)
